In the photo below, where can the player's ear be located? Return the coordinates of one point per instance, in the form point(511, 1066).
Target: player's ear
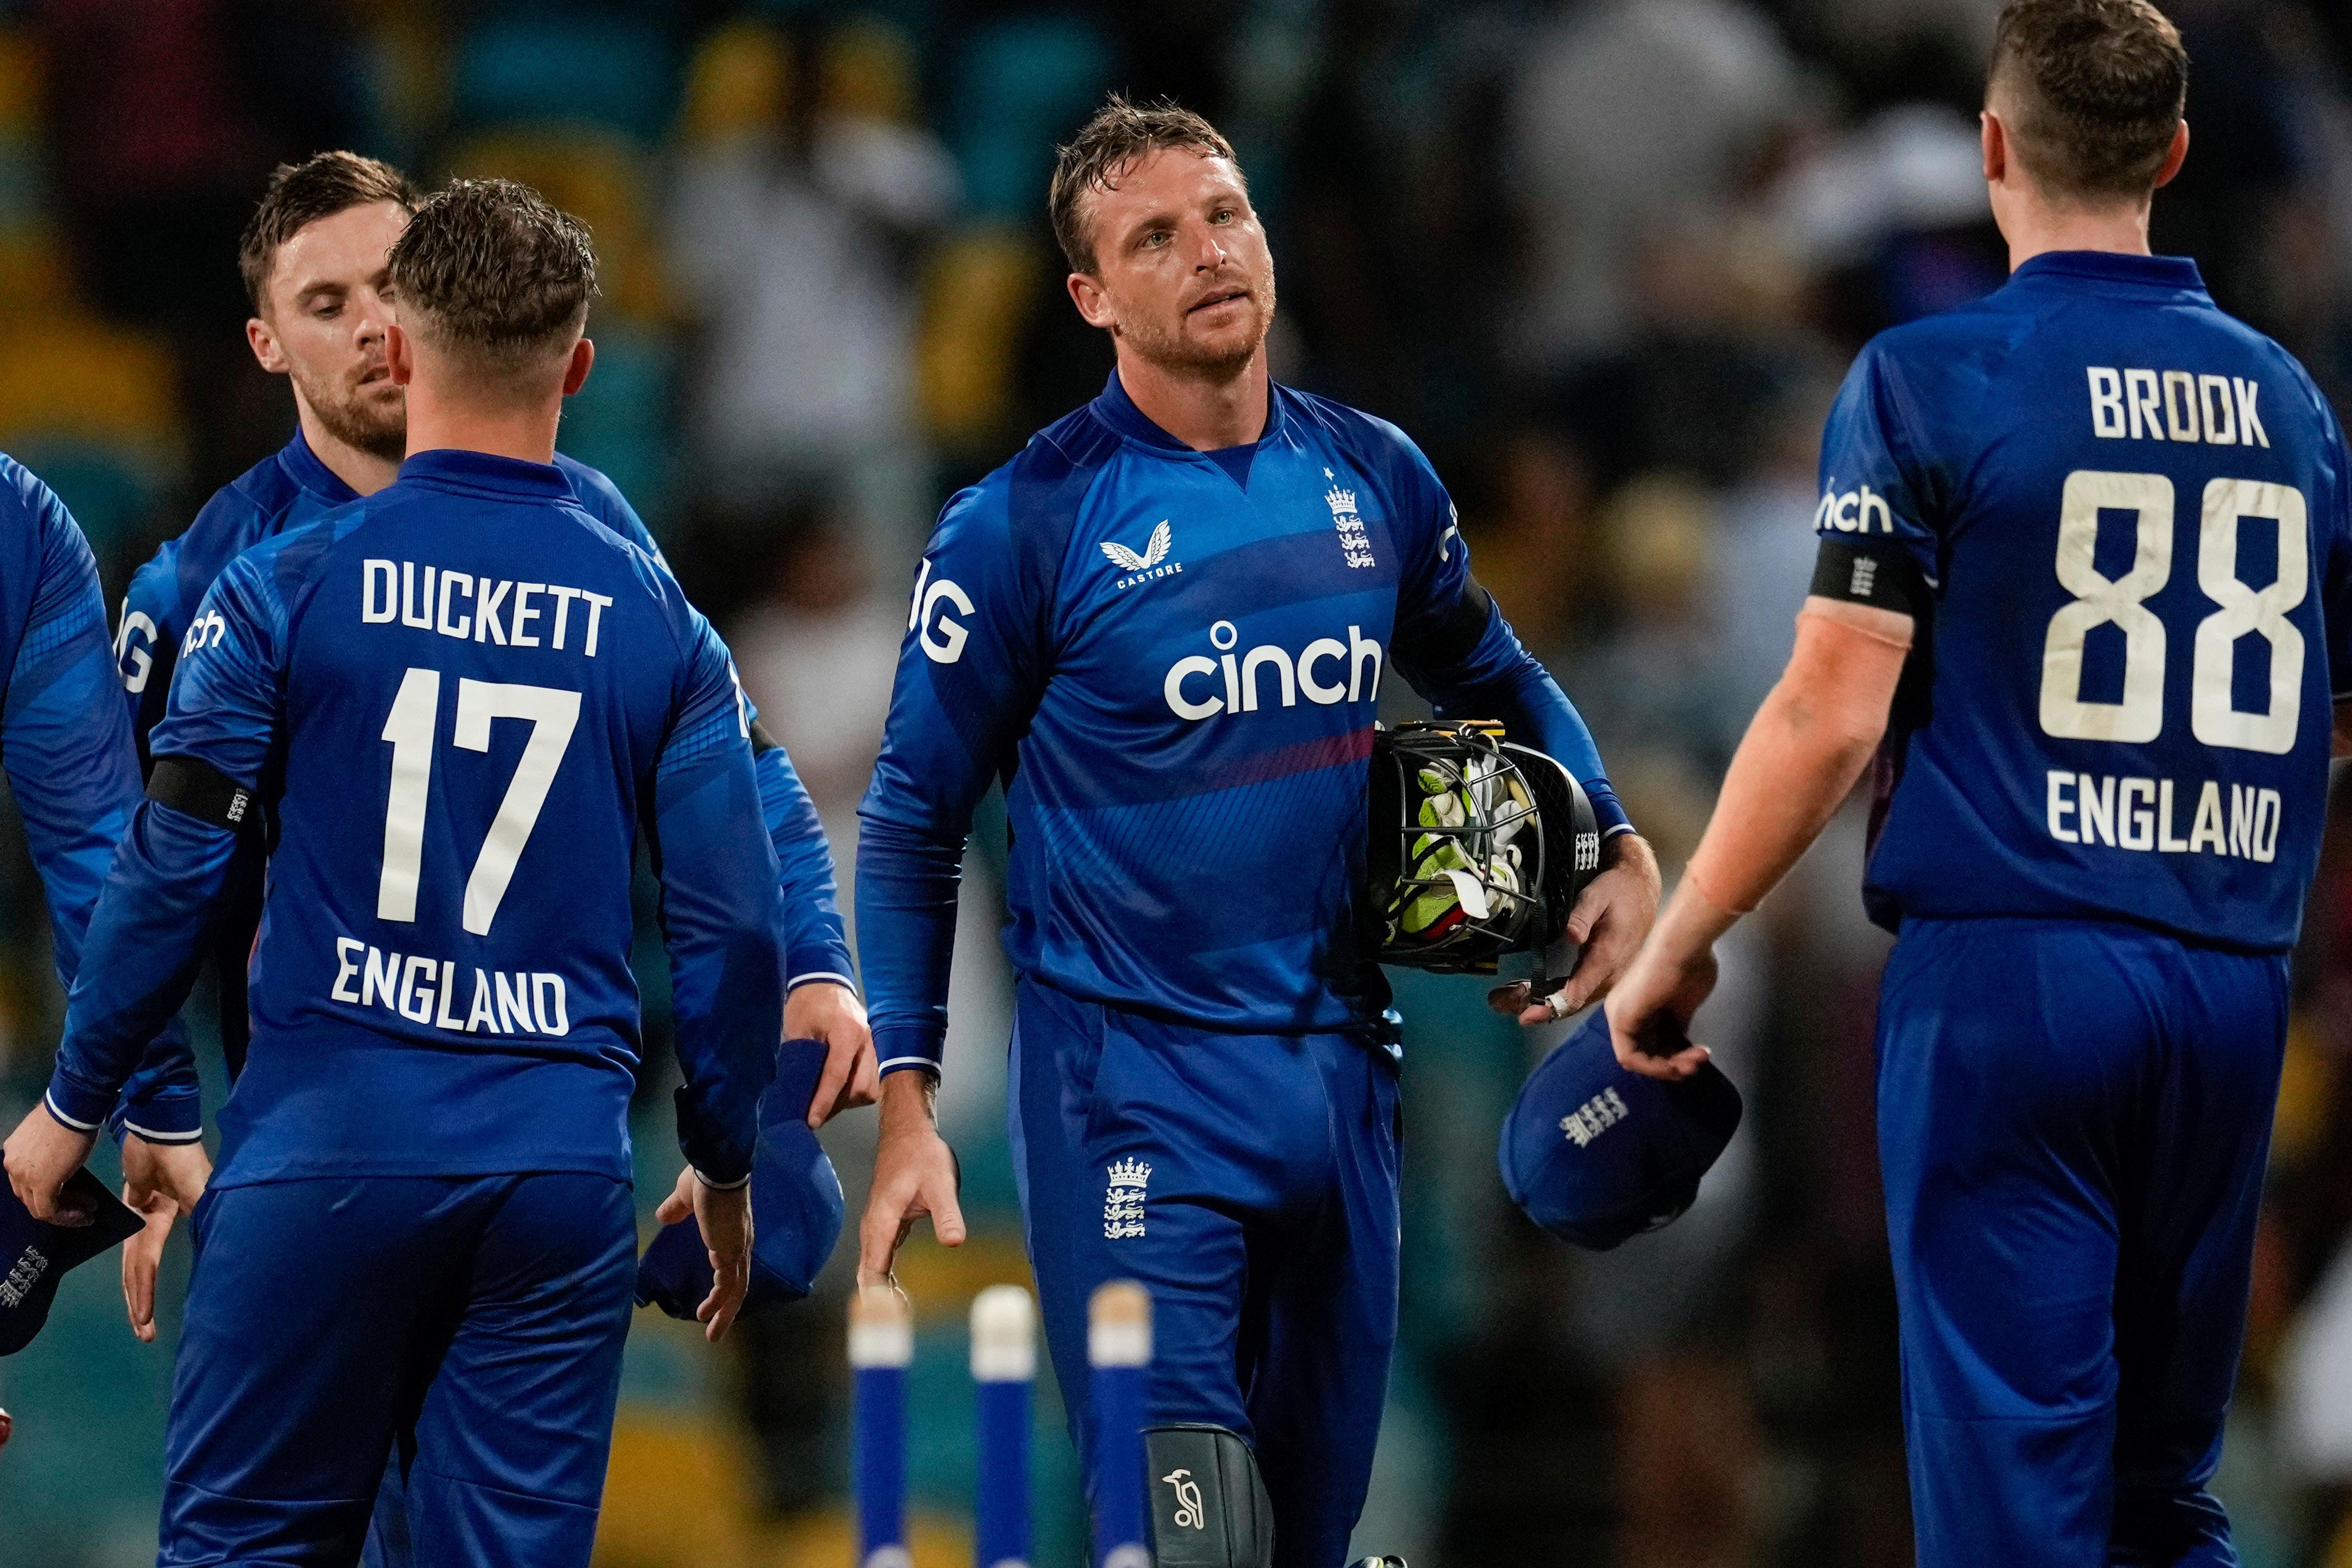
point(2175, 158)
point(1996, 147)
point(575, 369)
point(264, 343)
point(1093, 304)
point(399, 354)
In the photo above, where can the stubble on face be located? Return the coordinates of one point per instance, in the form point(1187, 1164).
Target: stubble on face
point(370, 414)
point(1176, 345)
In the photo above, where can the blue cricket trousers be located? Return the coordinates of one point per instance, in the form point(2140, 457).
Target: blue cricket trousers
point(1250, 1183)
point(2074, 1119)
point(474, 1322)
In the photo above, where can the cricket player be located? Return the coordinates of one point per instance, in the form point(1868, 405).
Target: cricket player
point(313, 258)
point(2085, 567)
point(460, 697)
point(1164, 625)
point(74, 775)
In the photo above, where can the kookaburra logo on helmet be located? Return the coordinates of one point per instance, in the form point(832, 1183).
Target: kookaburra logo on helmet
point(1325, 672)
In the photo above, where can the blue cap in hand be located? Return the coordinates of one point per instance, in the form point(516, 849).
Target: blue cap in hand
point(795, 1205)
point(36, 1254)
point(1594, 1153)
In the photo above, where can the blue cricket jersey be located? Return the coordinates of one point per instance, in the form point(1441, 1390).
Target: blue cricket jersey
point(460, 696)
point(2129, 511)
point(63, 741)
point(293, 489)
point(1173, 660)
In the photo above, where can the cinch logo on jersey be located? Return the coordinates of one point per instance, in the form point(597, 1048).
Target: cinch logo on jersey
point(1854, 512)
point(477, 609)
point(2139, 814)
point(1316, 673)
point(425, 990)
point(1145, 567)
point(2176, 405)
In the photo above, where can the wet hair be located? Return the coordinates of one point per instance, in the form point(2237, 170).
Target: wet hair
point(1117, 134)
point(490, 269)
point(2093, 91)
point(299, 194)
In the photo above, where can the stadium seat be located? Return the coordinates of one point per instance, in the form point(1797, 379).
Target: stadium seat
point(739, 84)
point(1020, 85)
point(601, 70)
point(90, 407)
point(978, 292)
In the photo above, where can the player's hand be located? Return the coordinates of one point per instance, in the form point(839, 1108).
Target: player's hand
point(143, 1258)
point(161, 1182)
point(914, 1175)
point(40, 1154)
point(7, 1427)
point(1612, 917)
point(725, 1216)
point(831, 1013)
point(175, 1171)
point(1651, 1010)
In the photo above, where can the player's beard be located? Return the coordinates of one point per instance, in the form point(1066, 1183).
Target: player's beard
point(359, 416)
point(1172, 351)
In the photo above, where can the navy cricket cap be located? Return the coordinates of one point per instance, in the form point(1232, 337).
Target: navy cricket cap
point(1595, 1153)
point(36, 1254)
point(795, 1205)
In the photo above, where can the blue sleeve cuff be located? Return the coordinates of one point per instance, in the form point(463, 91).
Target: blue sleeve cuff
point(77, 1104)
point(815, 962)
point(902, 1045)
point(166, 1114)
point(1607, 810)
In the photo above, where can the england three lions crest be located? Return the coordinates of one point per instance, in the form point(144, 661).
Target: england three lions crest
point(1355, 545)
point(1123, 1199)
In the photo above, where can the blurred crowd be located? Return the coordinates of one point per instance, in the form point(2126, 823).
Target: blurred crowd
point(1604, 260)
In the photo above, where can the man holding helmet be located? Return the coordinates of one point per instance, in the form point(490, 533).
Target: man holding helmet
point(1164, 624)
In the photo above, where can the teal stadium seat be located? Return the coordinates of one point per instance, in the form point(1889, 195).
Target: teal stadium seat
point(1019, 86)
point(600, 69)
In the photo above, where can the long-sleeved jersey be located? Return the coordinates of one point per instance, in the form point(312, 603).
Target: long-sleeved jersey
point(63, 739)
point(1173, 660)
point(293, 488)
point(2127, 522)
point(459, 698)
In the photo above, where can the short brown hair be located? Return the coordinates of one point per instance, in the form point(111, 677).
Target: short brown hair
point(2096, 91)
point(299, 194)
point(1119, 133)
point(492, 269)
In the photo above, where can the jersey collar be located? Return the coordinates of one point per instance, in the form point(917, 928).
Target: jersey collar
point(482, 471)
point(302, 466)
point(2178, 272)
point(1118, 410)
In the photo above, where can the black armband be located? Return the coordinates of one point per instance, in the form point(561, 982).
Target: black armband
point(1884, 577)
point(1457, 631)
point(203, 791)
point(762, 741)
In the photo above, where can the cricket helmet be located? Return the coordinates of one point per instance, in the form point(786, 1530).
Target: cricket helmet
point(1479, 846)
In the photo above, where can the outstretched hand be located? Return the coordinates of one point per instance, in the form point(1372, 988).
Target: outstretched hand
point(1612, 917)
point(914, 1175)
point(724, 1214)
point(161, 1182)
